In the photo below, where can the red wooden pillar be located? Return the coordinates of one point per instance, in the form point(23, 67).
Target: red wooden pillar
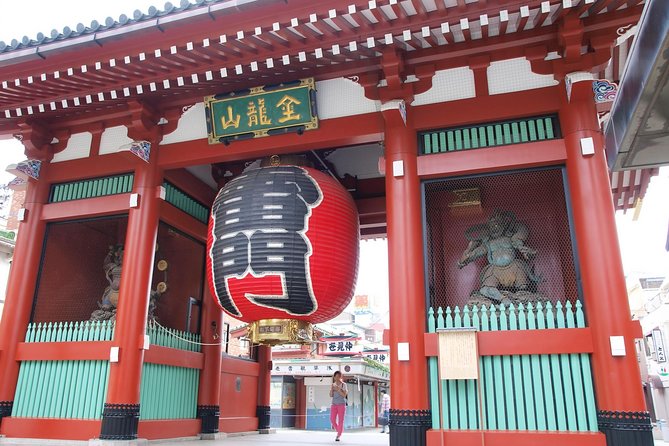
point(208, 406)
point(617, 378)
point(409, 415)
point(264, 385)
point(120, 416)
point(21, 287)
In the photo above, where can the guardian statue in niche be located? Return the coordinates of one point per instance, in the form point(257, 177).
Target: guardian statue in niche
point(509, 275)
point(112, 267)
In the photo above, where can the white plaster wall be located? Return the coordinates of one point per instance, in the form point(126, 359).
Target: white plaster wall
point(448, 85)
point(192, 125)
point(342, 97)
point(78, 146)
point(511, 75)
point(113, 138)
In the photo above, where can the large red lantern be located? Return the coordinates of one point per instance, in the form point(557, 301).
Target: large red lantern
point(283, 251)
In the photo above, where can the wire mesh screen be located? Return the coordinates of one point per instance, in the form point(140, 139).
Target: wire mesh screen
point(77, 271)
point(499, 239)
point(178, 280)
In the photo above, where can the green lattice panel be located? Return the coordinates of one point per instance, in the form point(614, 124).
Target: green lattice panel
point(489, 135)
point(95, 187)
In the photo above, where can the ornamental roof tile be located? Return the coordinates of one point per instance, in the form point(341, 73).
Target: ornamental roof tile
point(109, 23)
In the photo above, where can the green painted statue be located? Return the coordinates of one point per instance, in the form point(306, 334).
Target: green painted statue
point(508, 276)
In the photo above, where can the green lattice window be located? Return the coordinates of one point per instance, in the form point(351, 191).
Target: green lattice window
point(95, 187)
point(489, 135)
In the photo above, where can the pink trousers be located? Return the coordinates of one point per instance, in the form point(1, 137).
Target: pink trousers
point(337, 417)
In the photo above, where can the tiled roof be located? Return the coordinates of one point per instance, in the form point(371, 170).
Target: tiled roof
point(109, 23)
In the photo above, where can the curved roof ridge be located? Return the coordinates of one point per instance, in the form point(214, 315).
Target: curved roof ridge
point(109, 23)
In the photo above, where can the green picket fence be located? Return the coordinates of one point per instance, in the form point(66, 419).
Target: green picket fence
point(489, 135)
point(517, 392)
point(168, 337)
point(168, 392)
point(79, 331)
point(95, 187)
point(77, 389)
point(185, 202)
point(63, 389)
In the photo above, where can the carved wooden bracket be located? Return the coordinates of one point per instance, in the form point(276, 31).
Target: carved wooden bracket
point(144, 122)
point(37, 139)
point(571, 42)
point(392, 82)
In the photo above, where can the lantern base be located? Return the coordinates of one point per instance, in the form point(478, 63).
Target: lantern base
point(281, 331)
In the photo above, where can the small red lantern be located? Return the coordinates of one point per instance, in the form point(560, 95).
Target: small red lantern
point(283, 251)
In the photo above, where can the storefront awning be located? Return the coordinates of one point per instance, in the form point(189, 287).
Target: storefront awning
point(637, 134)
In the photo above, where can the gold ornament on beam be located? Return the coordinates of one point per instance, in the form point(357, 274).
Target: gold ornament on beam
point(280, 331)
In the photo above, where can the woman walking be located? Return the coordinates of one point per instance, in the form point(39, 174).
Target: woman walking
point(338, 393)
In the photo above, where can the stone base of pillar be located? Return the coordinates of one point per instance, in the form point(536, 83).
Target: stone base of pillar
point(216, 436)
point(6, 409)
point(409, 427)
point(119, 422)
point(135, 442)
point(209, 416)
point(263, 412)
point(626, 428)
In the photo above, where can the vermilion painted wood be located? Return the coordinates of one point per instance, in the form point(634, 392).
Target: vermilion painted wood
point(237, 424)
point(94, 166)
point(140, 242)
point(157, 354)
point(63, 351)
point(59, 429)
point(192, 185)
point(524, 342)
point(21, 284)
point(156, 429)
point(182, 221)
point(88, 207)
point(210, 375)
point(264, 374)
point(50, 428)
point(516, 156)
point(339, 132)
point(515, 438)
point(599, 256)
point(239, 366)
point(405, 265)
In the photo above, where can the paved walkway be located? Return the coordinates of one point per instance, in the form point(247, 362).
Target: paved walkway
point(299, 438)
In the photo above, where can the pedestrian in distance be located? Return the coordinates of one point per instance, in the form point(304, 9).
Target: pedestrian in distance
point(338, 393)
point(384, 410)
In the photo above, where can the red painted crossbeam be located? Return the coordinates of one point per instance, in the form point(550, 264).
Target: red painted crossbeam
point(524, 342)
point(99, 351)
point(515, 438)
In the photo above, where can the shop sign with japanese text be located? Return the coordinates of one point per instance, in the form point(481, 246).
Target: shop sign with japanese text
point(262, 111)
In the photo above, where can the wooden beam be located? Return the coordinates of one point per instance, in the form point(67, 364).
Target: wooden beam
point(516, 156)
point(339, 132)
point(517, 438)
point(88, 207)
point(524, 342)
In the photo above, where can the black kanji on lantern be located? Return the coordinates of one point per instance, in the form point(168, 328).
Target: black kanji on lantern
point(259, 224)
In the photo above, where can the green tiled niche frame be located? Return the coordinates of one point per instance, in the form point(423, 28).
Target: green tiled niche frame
point(122, 184)
point(495, 134)
point(181, 200)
